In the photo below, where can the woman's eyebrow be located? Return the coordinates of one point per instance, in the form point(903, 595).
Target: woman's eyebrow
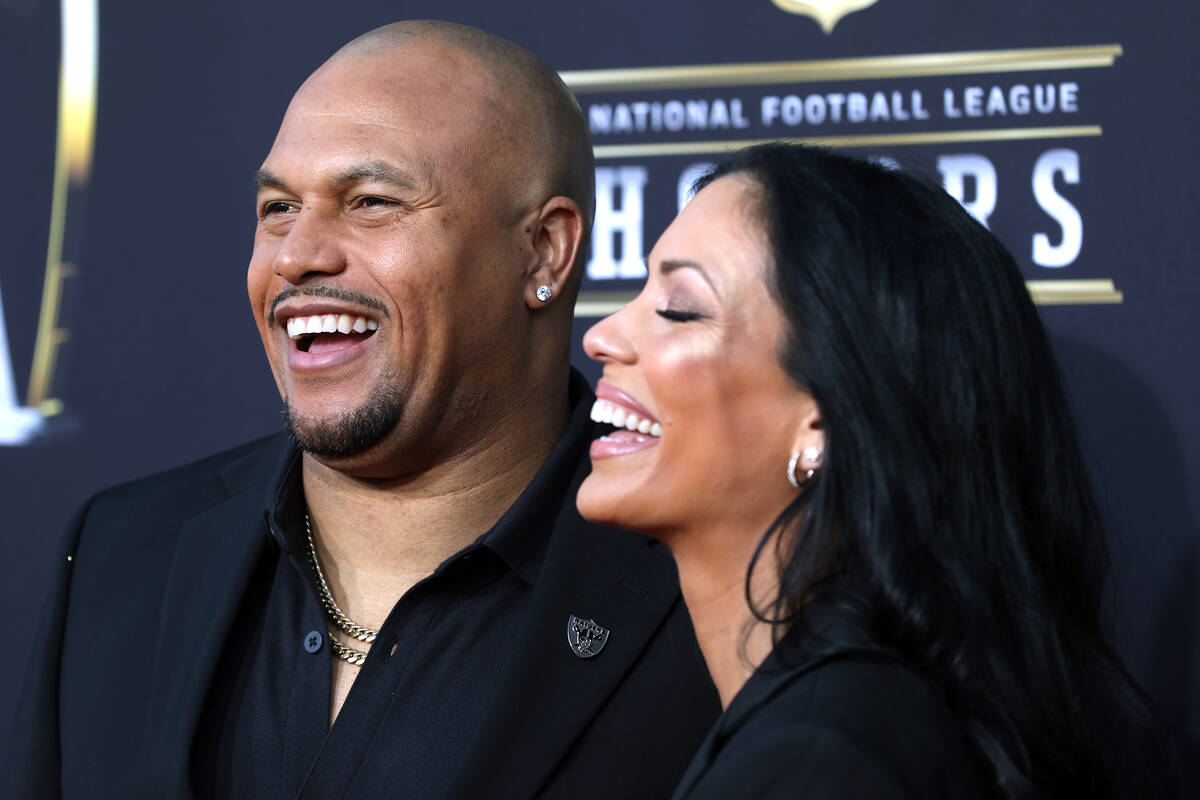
point(669, 265)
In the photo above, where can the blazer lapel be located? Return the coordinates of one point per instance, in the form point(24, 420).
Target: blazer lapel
point(213, 560)
point(547, 694)
point(827, 634)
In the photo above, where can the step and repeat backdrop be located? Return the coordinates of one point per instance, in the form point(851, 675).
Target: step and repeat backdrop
point(131, 131)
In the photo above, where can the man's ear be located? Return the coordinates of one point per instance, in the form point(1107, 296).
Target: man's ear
point(556, 235)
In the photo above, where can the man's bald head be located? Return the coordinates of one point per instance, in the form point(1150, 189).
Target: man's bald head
point(546, 128)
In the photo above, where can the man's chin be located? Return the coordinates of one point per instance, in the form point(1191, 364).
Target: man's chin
point(344, 436)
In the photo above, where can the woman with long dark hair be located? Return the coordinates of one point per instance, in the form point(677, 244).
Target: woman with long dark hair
point(837, 354)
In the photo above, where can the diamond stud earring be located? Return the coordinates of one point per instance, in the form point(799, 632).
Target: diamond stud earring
point(544, 293)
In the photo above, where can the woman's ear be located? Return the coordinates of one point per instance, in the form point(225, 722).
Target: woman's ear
point(556, 235)
point(808, 446)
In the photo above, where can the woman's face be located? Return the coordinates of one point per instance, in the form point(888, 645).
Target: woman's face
point(694, 358)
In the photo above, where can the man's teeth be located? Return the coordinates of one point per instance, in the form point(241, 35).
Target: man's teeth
point(613, 414)
point(329, 323)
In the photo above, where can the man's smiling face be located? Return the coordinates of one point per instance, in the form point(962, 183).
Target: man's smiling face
point(388, 258)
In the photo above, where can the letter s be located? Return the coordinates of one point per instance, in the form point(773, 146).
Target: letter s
point(1058, 207)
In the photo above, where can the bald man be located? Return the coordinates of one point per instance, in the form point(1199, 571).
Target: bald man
point(397, 599)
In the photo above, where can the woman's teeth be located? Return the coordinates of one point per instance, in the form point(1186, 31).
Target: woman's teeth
point(613, 414)
point(329, 323)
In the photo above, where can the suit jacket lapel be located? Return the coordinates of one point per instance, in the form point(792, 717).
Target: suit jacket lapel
point(213, 561)
point(546, 694)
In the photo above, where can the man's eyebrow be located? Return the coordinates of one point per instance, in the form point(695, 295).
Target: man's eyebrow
point(265, 179)
point(379, 171)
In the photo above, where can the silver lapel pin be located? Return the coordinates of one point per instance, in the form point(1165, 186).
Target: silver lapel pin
point(586, 638)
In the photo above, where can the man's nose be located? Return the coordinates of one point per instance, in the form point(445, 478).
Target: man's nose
point(310, 248)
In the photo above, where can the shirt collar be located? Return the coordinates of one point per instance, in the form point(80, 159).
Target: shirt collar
point(521, 535)
point(285, 505)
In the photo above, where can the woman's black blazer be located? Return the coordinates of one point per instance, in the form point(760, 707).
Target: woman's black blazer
point(852, 726)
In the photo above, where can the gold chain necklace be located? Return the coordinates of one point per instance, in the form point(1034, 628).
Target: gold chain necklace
point(335, 615)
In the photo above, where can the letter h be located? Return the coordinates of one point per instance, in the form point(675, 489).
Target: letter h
point(611, 221)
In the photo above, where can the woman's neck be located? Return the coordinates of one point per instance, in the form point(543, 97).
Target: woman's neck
point(733, 640)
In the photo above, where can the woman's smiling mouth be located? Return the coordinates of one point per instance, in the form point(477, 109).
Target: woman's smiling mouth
point(620, 417)
point(636, 427)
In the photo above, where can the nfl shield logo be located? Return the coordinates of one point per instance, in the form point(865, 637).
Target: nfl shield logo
point(585, 636)
point(825, 12)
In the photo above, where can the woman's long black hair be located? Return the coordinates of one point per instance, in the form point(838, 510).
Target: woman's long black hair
point(952, 511)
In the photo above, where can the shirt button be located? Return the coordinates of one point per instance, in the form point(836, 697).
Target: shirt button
point(313, 641)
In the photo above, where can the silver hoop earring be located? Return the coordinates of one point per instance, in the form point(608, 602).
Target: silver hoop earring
point(544, 293)
point(791, 470)
point(813, 456)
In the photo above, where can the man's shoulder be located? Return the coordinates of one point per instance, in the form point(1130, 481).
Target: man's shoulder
point(181, 490)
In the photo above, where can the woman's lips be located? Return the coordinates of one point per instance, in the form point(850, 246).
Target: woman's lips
point(636, 427)
point(621, 443)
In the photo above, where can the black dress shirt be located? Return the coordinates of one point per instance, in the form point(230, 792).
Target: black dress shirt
point(417, 702)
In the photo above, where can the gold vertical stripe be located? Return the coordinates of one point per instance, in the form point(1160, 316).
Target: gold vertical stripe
point(80, 42)
point(45, 348)
point(77, 93)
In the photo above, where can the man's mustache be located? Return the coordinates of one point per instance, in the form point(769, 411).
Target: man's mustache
point(330, 293)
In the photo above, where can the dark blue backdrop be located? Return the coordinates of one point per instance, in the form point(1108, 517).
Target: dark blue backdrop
point(161, 362)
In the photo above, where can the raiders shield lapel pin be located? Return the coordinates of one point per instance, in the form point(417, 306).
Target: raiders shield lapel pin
point(585, 636)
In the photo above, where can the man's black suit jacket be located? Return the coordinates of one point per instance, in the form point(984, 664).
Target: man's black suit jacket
point(149, 582)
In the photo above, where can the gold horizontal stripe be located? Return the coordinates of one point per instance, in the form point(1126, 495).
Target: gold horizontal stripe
point(1051, 292)
point(1074, 292)
point(703, 76)
point(610, 151)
